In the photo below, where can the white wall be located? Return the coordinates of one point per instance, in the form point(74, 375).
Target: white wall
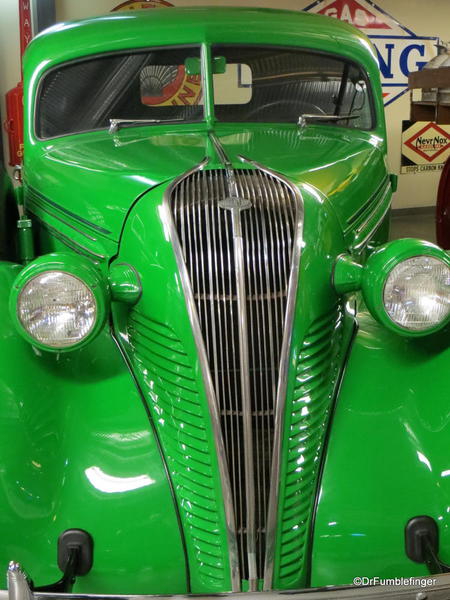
point(430, 18)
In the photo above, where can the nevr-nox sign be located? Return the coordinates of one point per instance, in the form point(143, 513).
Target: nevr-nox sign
point(399, 50)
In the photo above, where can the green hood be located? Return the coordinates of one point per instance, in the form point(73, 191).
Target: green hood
point(98, 176)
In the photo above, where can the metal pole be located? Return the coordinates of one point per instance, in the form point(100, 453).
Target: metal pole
point(43, 14)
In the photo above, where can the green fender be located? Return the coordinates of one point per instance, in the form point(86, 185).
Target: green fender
point(387, 458)
point(77, 451)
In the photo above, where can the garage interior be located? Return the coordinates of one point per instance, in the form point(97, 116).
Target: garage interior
point(238, 345)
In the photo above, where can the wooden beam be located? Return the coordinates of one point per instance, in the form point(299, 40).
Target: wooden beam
point(430, 78)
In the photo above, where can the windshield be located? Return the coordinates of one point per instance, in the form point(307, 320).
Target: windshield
point(284, 84)
point(85, 95)
point(250, 83)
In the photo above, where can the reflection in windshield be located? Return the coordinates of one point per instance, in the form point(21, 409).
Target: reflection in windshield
point(289, 83)
point(250, 83)
point(152, 85)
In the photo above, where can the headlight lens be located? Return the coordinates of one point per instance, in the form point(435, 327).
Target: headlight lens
point(57, 309)
point(417, 293)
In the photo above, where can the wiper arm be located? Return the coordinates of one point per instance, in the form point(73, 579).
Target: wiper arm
point(303, 119)
point(115, 124)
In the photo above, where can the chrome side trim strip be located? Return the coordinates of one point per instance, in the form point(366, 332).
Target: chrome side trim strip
point(207, 378)
point(48, 212)
point(76, 247)
point(69, 213)
point(283, 375)
point(367, 206)
point(360, 244)
point(359, 247)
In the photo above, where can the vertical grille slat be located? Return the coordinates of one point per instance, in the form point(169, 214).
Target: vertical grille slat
point(239, 267)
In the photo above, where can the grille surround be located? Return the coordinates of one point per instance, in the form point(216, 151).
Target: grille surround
point(256, 240)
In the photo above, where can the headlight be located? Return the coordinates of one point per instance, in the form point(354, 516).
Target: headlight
point(58, 301)
point(405, 284)
point(417, 293)
point(57, 309)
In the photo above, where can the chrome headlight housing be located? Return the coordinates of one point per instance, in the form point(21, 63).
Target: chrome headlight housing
point(58, 302)
point(417, 293)
point(405, 284)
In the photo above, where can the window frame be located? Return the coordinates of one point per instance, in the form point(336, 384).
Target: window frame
point(205, 72)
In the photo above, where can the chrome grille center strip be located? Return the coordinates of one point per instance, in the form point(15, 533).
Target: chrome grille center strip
point(282, 381)
point(236, 234)
point(236, 204)
point(246, 401)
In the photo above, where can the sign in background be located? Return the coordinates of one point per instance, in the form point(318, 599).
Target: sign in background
point(425, 146)
point(399, 50)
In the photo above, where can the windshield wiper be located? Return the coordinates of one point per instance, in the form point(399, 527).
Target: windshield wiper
point(115, 124)
point(303, 119)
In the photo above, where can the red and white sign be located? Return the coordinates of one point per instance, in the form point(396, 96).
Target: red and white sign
point(399, 50)
point(425, 146)
point(26, 32)
point(357, 13)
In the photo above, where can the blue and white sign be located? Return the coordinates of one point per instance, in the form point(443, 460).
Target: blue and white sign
point(400, 51)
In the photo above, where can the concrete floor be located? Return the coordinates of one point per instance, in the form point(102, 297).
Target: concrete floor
point(418, 224)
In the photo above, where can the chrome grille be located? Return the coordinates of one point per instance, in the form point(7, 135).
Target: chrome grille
point(242, 320)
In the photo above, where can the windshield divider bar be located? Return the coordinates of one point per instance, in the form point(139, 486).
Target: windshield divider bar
point(207, 84)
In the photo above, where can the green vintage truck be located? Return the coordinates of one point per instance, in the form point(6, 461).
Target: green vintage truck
point(216, 373)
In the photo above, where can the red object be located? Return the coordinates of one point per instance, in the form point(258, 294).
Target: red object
point(355, 13)
point(14, 98)
point(443, 208)
point(14, 124)
point(26, 32)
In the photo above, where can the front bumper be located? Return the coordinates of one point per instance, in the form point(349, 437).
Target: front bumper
point(421, 589)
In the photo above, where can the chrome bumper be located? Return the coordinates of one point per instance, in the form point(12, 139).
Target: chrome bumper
point(19, 589)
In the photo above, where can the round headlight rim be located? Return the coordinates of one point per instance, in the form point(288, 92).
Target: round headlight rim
point(415, 332)
point(58, 348)
point(377, 270)
point(75, 266)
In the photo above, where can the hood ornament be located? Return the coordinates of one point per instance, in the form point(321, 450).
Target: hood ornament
point(235, 203)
